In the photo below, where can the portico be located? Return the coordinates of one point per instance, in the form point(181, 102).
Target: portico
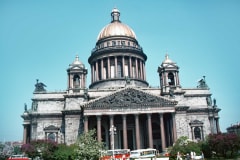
point(149, 124)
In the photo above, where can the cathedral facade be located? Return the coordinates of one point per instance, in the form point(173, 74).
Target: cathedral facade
point(119, 99)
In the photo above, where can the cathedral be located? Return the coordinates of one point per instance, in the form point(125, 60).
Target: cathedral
point(119, 102)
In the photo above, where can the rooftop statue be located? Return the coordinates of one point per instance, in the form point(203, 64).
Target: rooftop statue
point(171, 93)
point(86, 95)
point(25, 107)
point(214, 103)
point(202, 83)
point(128, 80)
point(39, 87)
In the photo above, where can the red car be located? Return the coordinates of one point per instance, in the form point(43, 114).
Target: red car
point(18, 157)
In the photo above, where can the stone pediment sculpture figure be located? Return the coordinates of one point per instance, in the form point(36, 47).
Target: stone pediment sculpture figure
point(39, 87)
point(130, 97)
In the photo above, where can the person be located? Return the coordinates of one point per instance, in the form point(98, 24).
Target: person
point(178, 156)
point(191, 154)
point(187, 157)
point(202, 156)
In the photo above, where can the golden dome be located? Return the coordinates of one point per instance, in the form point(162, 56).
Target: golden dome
point(116, 28)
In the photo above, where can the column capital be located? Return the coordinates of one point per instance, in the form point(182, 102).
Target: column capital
point(136, 115)
point(98, 117)
point(149, 115)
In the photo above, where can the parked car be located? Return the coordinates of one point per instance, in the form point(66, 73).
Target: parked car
point(18, 157)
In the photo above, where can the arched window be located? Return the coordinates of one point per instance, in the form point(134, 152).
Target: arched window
point(197, 133)
point(76, 81)
point(171, 79)
point(113, 43)
point(51, 137)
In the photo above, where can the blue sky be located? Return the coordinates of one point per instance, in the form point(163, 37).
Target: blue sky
point(39, 39)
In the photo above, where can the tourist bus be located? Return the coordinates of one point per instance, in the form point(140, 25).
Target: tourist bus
point(117, 154)
point(143, 154)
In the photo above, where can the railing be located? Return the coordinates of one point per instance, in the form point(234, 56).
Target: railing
point(117, 47)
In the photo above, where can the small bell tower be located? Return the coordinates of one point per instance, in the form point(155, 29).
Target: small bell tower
point(77, 75)
point(169, 77)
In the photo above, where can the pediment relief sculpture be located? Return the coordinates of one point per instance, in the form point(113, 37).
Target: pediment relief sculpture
point(131, 97)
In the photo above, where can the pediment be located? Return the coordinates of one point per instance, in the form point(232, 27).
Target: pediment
point(170, 65)
point(130, 97)
point(51, 128)
point(196, 122)
point(76, 67)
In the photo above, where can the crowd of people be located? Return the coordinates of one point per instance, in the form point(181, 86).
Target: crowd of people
point(191, 156)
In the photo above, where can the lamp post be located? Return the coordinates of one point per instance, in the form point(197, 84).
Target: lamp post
point(112, 132)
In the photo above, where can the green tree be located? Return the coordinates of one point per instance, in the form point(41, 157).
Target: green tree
point(184, 146)
point(87, 146)
point(40, 148)
point(64, 152)
point(17, 150)
point(206, 148)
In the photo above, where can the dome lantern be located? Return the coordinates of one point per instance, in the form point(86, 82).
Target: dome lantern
point(115, 15)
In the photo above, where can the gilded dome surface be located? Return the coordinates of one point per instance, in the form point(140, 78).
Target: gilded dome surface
point(116, 28)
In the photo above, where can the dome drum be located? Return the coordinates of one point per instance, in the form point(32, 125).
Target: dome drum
point(117, 55)
point(115, 50)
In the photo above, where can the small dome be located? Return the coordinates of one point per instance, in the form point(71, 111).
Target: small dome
point(76, 62)
point(167, 61)
point(116, 28)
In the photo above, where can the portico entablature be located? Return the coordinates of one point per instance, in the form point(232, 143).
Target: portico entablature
point(125, 111)
point(129, 101)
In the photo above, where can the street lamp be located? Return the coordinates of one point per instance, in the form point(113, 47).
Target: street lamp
point(112, 132)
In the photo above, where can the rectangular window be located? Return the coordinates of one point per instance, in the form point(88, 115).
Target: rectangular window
point(113, 43)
